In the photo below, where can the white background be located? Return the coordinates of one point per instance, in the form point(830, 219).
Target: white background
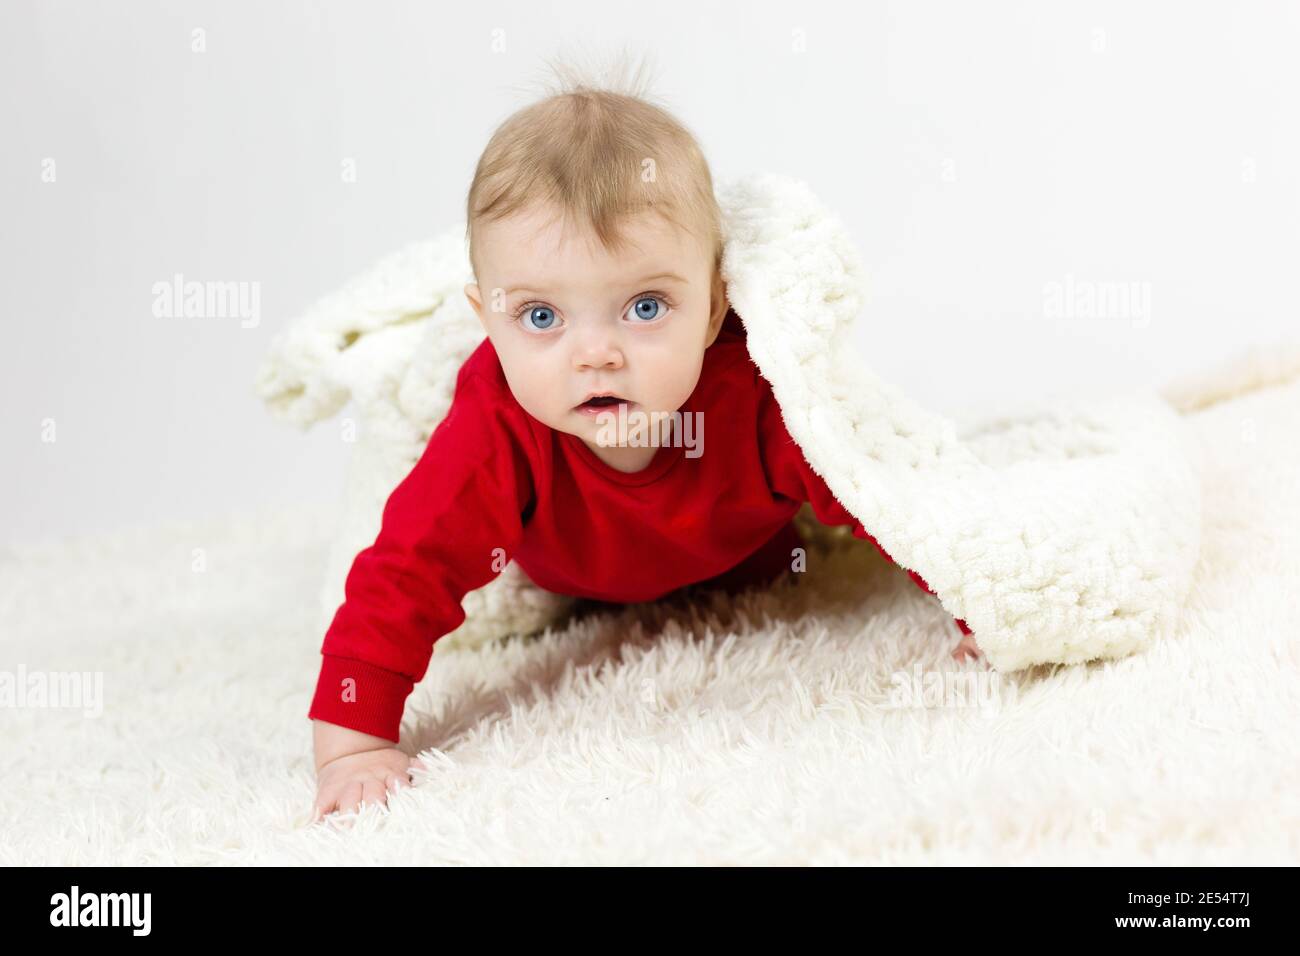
point(977, 153)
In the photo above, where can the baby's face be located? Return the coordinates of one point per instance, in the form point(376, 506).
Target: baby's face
point(568, 319)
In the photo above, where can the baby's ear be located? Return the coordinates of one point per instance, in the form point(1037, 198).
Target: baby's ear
point(476, 301)
point(718, 310)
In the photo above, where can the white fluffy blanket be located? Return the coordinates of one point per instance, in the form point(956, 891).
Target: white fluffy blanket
point(1065, 534)
point(823, 723)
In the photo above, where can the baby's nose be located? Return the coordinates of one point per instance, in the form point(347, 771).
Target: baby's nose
point(598, 354)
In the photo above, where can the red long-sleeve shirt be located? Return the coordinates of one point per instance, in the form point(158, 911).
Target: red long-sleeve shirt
point(494, 485)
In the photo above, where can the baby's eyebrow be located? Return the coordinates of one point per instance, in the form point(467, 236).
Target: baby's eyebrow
point(663, 275)
point(651, 278)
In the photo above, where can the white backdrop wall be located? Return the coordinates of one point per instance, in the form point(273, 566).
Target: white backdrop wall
point(999, 164)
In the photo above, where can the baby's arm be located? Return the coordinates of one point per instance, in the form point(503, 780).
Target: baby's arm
point(447, 529)
point(789, 474)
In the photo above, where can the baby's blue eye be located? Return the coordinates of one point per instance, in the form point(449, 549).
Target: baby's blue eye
point(646, 308)
point(541, 317)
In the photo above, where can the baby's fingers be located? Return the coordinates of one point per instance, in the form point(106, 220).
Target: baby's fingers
point(350, 795)
point(373, 792)
point(345, 796)
point(325, 804)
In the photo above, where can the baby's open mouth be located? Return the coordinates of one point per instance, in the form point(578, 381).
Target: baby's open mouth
point(603, 403)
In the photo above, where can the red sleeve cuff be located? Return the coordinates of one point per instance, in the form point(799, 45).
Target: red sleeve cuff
point(360, 696)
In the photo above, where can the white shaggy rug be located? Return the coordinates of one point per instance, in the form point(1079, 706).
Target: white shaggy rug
point(772, 731)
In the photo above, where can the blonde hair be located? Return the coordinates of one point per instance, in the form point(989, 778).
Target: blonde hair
point(598, 153)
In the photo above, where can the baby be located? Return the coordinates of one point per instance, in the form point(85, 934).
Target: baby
point(575, 442)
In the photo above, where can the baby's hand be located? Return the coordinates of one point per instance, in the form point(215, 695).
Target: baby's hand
point(346, 781)
point(967, 648)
